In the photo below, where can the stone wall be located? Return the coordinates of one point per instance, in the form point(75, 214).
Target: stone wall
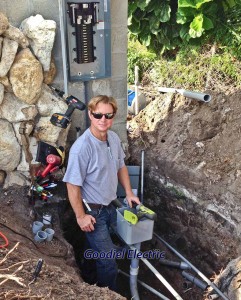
point(32, 105)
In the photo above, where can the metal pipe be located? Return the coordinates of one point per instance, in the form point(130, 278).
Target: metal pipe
point(192, 267)
point(159, 276)
point(63, 46)
point(146, 286)
point(175, 264)
point(189, 94)
point(199, 283)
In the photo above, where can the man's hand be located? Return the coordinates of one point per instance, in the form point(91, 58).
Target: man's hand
point(132, 198)
point(86, 223)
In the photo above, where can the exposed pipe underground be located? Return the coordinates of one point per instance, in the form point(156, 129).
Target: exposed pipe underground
point(146, 286)
point(134, 267)
point(189, 94)
point(159, 276)
point(199, 283)
point(210, 283)
point(180, 265)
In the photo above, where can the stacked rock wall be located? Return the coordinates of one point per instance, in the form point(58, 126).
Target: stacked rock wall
point(26, 69)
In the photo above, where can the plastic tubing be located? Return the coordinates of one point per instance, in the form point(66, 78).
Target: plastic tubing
point(146, 286)
point(202, 285)
point(134, 269)
point(159, 276)
point(189, 94)
point(181, 265)
point(192, 267)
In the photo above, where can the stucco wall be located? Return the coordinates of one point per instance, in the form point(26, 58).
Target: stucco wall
point(116, 85)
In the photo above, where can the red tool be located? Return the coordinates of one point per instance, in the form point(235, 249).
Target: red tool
point(53, 161)
point(5, 240)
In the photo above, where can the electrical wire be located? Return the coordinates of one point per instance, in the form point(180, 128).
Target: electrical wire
point(5, 240)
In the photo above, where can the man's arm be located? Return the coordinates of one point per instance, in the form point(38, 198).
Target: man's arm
point(124, 179)
point(84, 220)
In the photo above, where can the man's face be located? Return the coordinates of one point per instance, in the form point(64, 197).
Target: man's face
point(102, 124)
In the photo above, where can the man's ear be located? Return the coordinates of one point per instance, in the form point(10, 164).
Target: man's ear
point(89, 113)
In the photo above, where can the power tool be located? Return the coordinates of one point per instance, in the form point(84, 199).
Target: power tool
point(63, 120)
point(143, 211)
point(133, 215)
point(53, 161)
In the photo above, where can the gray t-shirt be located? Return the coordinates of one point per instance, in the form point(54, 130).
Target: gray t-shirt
point(93, 165)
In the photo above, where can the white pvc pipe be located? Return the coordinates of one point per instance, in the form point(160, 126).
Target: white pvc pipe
point(159, 276)
point(189, 94)
point(136, 99)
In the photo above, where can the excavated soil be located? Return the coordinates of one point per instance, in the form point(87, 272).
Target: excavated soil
point(59, 277)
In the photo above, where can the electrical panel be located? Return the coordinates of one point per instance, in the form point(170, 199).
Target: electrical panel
point(88, 39)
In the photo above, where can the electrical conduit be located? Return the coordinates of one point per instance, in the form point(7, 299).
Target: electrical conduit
point(210, 283)
point(159, 276)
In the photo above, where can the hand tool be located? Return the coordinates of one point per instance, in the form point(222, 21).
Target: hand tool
point(63, 120)
point(37, 271)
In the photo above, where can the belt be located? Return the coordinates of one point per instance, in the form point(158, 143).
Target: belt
point(96, 206)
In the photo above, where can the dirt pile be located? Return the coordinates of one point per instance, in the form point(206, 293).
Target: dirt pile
point(59, 277)
point(192, 173)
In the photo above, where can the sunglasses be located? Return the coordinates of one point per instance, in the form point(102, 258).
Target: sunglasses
point(99, 116)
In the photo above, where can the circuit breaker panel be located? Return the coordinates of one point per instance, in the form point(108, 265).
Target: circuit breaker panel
point(88, 39)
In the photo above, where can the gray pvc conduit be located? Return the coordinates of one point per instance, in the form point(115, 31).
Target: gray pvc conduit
point(192, 267)
point(189, 94)
point(180, 265)
point(199, 283)
point(134, 269)
point(146, 286)
point(63, 45)
point(159, 276)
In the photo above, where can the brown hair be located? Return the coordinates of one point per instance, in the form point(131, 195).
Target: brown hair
point(103, 99)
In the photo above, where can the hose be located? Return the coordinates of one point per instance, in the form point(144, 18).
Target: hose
point(5, 240)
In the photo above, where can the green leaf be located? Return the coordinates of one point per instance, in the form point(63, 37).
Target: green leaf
point(164, 12)
point(153, 5)
point(184, 33)
point(135, 27)
point(185, 15)
point(145, 40)
point(142, 3)
point(131, 8)
point(207, 23)
point(192, 3)
point(196, 26)
point(154, 24)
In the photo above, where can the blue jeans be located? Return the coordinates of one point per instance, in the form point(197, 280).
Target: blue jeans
point(99, 240)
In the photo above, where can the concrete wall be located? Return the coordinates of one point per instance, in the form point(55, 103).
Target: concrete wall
point(116, 85)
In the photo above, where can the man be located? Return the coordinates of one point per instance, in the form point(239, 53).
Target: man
point(96, 163)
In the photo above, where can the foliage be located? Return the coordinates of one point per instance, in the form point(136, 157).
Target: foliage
point(139, 56)
point(194, 67)
point(163, 25)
